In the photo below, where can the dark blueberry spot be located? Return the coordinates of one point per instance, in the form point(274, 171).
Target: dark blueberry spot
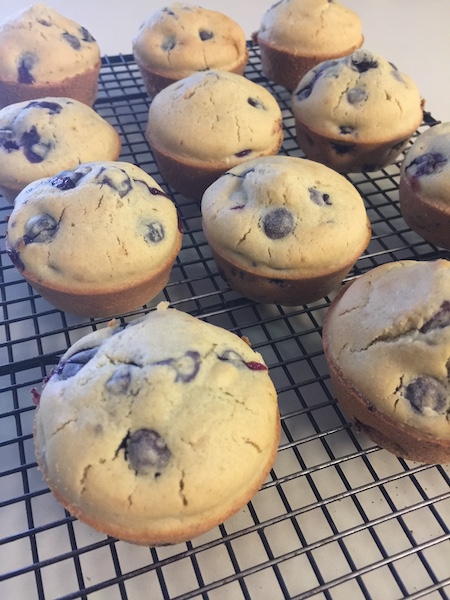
point(356, 95)
point(53, 107)
point(256, 103)
point(319, 198)
point(120, 380)
point(34, 149)
point(427, 164)
point(7, 140)
point(426, 392)
point(205, 35)
point(26, 63)
point(15, 259)
point(342, 148)
point(438, 321)
point(147, 452)
point(278, 223)
point(152, 190)
point(243, 153)
point(363, 61)
point(86, 35)
point(186, 367)
point(66, 180)
point(168, 11)
point(70, 367)
point(117, 179)
point(346, 129)
point(72, 40)
point(237, 207)
point(236, 359)
point(155, 232)
point(318, 71)
point(40, 229)
point(44, 22)
point(169, 43)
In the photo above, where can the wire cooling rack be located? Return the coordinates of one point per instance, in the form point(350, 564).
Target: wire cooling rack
point(337, 518)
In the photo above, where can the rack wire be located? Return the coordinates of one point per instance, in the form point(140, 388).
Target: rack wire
point(337, 518)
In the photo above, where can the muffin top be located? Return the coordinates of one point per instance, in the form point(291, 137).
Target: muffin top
point(180, 39)
point(359, 98)
point(102, 225)
point(427, 164)
point(38, 45)
point(390, 336)
point(311, 27)
point(215, 116)
point(39, 138)
point(285, 216)
point(173, 408)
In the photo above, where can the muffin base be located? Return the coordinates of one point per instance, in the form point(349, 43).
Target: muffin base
point(349, 157)
point(82, 87)
point(285, 68)
point(430, 219)
point(398, 438)
point(154, 82)
point(165, 532)
point(282, 291)
point(105, 303)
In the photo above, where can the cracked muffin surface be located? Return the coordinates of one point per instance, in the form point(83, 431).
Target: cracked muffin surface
point(103, 230)
point(387, 338)
point(169, 426)
point(356, 112)
point(180, 39)
point(287, 220)
point(206, 123)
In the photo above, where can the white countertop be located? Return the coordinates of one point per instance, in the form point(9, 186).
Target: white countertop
point(413, 34)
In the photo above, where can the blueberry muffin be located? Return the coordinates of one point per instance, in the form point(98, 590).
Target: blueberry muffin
point(180, 39)
point(43, 53)
point(157, 432)
point(207, 123)
point(95, 241)
point(356, 113)
point(296, 35)
point(425, 186)
point(40, 138)
point(387, 341)
point(284, 230)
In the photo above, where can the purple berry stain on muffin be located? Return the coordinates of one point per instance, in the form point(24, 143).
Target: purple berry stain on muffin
point(169, 43)
point(67, 180)
point(319, 198)
point(120, 380)
point(439, 320)
point(86, 36)
point(186, 367)
point(346, 129)
point(278, 223)
point(430, 163)
point(14, 257)
point(256, 103)
point(236, 359)
point(72, 40)
point(27, 62)
point(305, 92)
point(155, 232)
point(205, 35)
point(426, 392)
point(362, 61)
point(243, 153)
point(40, 229)
point(34, 148)
point(8, 140)
point(71, 366)
point(147, 452)
point(53, 107)
point(356, 95)
point(44, 22)
point(116, 178)
point(342, 149)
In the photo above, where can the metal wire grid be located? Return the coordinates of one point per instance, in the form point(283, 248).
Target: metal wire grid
point(337, 518)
